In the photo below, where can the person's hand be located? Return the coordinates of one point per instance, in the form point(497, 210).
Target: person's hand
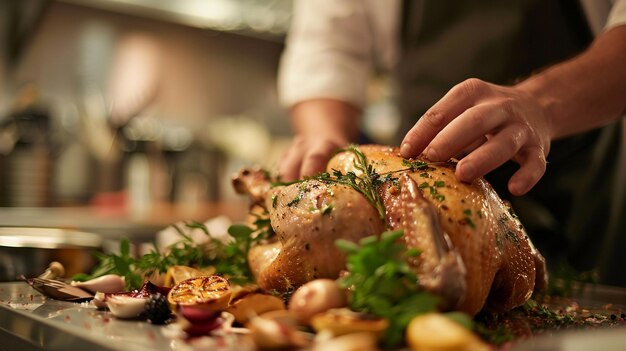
point(308, 155)
point(321, 126)
point(485, 125)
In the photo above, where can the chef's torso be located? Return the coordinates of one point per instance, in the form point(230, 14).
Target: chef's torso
point(446, 42)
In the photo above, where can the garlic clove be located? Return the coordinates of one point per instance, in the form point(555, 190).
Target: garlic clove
point(99, 300)
point(126, 306)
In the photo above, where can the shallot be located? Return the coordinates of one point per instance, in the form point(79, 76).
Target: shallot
point(110, 283)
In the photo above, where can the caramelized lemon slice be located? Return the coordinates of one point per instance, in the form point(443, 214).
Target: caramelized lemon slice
point(210, 292)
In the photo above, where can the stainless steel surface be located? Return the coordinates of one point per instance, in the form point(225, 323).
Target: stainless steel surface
point(29, 321)
point(32, 250)
point(110, 225)
point(115, 223)
point(600, 297)
point(596, 298)
point(28, 251)
point(47, 238)
point(55, 325)
point(582, 340)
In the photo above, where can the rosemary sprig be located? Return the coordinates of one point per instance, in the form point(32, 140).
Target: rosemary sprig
point(368, 182)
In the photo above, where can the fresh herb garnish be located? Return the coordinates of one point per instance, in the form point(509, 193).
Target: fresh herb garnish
point(497, 334)
point(535, 318)
point(367, 181)
point(382, 283)
point(123, 264)
point(327, 209)
point(297, 198)
point(367, 184)
point(229, 258)
point(415, 165)
point(433, 189)
point(468, 221)
point(566, 281)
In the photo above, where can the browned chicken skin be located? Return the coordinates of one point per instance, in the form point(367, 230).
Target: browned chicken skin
point(474, 252)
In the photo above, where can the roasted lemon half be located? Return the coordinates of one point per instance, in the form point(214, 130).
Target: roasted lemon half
point(211, 292)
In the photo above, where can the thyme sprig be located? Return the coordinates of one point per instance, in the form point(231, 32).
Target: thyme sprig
point(415, 165)
point(367, 181)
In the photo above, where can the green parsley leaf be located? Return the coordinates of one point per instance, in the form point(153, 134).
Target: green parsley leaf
point(230, 258)
point(383, 284)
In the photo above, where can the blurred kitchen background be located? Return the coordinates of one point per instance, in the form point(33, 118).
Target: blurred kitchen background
point(122, 116)
point(160, 99)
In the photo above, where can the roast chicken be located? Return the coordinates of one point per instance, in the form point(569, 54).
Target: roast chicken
point(474, 252)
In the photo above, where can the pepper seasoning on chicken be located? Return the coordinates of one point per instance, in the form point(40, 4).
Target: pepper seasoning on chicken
point(474, 252)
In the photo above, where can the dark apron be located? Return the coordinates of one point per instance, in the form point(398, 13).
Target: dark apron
point(571, 214)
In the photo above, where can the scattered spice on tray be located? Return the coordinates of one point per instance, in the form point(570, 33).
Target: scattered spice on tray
point(545, 315)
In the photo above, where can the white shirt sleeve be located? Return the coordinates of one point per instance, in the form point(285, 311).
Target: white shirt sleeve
point(328, 52)
point(617, 16)
point(331, 45)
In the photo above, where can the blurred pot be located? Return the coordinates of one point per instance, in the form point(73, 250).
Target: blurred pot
point(28, 251)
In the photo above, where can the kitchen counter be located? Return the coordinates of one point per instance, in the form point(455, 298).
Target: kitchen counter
point(34, 322)
point(29, 321)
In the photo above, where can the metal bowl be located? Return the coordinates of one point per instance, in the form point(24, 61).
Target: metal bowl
point(28, 251)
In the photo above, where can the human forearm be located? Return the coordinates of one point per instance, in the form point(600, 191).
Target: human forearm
point(321, 126)
point(485, 124)
point(586, 91)
point(329, 117)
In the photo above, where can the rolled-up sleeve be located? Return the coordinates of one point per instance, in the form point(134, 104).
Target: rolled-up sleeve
point(328, 53)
